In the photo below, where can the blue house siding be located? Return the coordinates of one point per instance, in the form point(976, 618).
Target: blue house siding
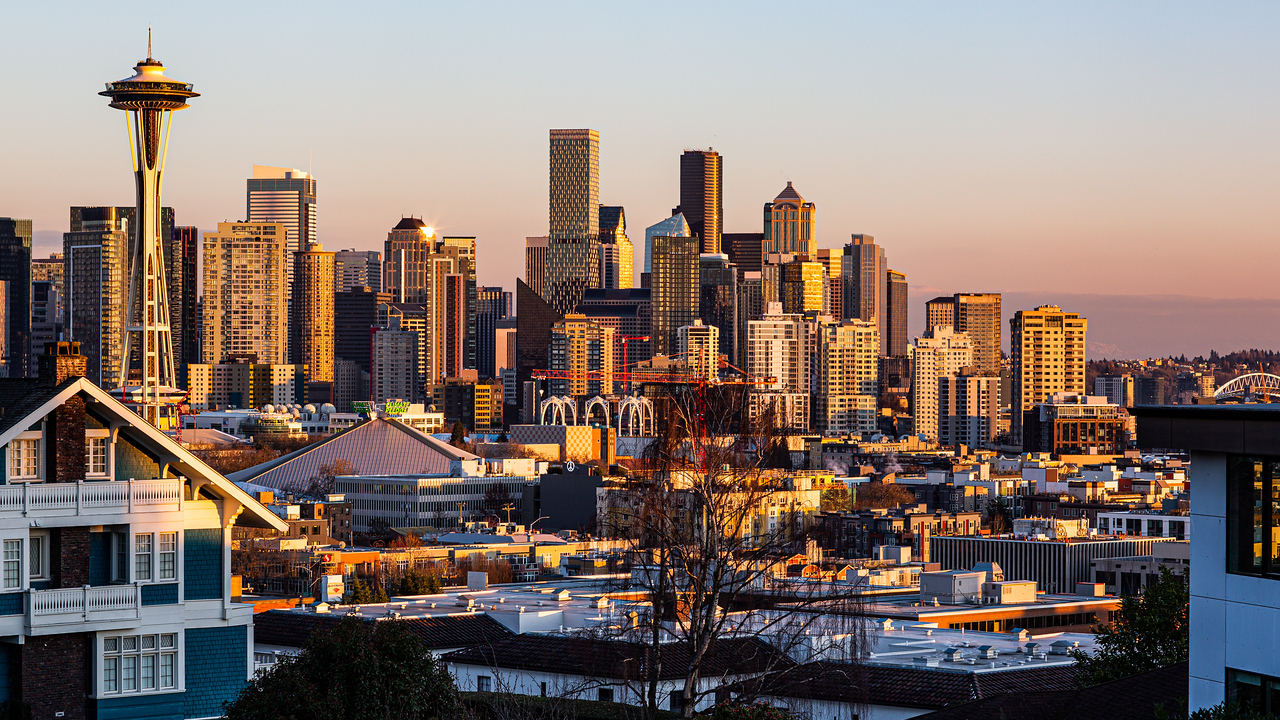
point(166, 594)
point(99, 558)
point(133, 463)
point(202, 564)
point(217, 665)
point(11, 604)
point(167, 706)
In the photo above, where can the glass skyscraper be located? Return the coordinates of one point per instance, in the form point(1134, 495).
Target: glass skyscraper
point(573, 255)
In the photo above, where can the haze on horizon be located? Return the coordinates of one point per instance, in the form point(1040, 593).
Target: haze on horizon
point(1067, 149)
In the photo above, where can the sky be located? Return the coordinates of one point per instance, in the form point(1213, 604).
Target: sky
point(1118, 159)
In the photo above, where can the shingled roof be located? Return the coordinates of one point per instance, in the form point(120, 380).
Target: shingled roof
point(288, 628)
point(617, 659)
point(377, 447)
point(19, 397)
point(1132, 698)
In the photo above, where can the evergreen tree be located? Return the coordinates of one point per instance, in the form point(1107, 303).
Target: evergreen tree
point(379, 593)
point(358, 593)
point(1149, 631)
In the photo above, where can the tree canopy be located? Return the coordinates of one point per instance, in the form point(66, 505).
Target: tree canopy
point(360, 670)
point(1149, 631)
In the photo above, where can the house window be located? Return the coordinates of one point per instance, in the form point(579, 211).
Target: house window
point(604, 694)
point(168, 556)
point(1258, 692)
point(12, 564)
point(676, 702)
point(24, 459)
point(139, 663)
point(120, 568)
point(1253, 516)
point(96, 456)
point(484, 683)
point(142, 546)
point(38, 556)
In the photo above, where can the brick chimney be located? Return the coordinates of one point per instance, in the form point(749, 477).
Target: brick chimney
point(64, 437)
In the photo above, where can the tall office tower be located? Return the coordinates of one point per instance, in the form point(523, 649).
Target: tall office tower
point(617, 255)
point(96, 266)
point(790, 224)
point(751, 306)
point(940, 312)
point(941, 351)
point(46, 322)
point(584, 349)
point(771, 274)
point(418, 266)
point(674, 226)
point(415, 318)
point(1047, 355)
point(149, 382)
point(832, 294)
point(746, 250)
point(968, 410)
point(358, 268)
point(504, 346)
point(629, 312)
point(312, 314)
point(676, 289)
point(535, 263)
point(246, 309)
point(846, 379)
point(777, 346)
point(573, 254)
point(1118, 389)
point(978, 316)
point(394, 355)
point(15, 269)
point(701, 198)
point(51, 269)
point(534, 318)
point(355, 314)
point(405, 259)
point(288, 196)
point(865, 282)
point(185, 249)
point(492, 304)
point(802, 286)
point(463, 252)
point(718, 300)
point(699, 345)
point(896, 314)
point(350, 384)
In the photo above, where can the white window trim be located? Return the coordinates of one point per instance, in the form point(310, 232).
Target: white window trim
point(179, 671)
point(109, 455)
point(23, 582)
point(39, 574)
point(38, 436)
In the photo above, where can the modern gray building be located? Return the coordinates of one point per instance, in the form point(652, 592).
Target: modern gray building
point(1055, 565)
point(718, 299)
point(865, 283)
point(493, 304)
point(358, 268)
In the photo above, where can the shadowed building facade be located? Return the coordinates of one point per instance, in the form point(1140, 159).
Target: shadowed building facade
point(701, 196)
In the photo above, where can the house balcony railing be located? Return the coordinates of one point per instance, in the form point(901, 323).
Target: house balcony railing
point(116, 604)
point(100, 497)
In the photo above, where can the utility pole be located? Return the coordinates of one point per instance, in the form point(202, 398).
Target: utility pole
point(460, 506)
point(509, 507)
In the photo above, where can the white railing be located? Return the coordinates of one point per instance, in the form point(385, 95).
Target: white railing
point(84, 601)
point(80, 496)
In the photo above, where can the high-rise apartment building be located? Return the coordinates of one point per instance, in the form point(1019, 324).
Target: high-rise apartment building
point(699, 346)
point(802, 287)
point(718, 299)
point(46, 321)
point(746, 250)
point(1118, 389)
point(865, 283)
point(896, 315)
point(941, 352)
point(751, 306)
point(701, 196)
point(492, 304)
point(244, 385)
point(312, 323)
point(185, 249)
point(584, 349)
point(617, 255)
point(285, 196)
point(535, 263)
point(674, 226)
point(465, 299)
point(630, 313)
point(420, 269)
point(978, 316)
point(404, 269)
point(15, 271)
point(395, 364)
point(96, 258)
point(777, 346)
point(968, 409)
point(940, 312)
point(358, 268)
point(676, 289)
point(832, 283)
point(573, 254)
point(355, 314)
point(414, 318)
point(245, 304)
point(846, 380)
point(790, 224)
point(1047, 356)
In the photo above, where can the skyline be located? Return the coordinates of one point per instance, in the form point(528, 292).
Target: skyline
point(1139, 134)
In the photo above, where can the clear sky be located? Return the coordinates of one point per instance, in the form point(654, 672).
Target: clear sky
point(1100, 149)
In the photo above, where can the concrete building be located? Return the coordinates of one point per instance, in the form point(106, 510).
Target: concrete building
point(286, 196)
point(245, 293)
point(405, 260)
point(617, 255)
point(940, 312)
point(832, 285)
point(865, 283)
point(535, 263)
point(312, 313)
point(46, 322)
point(1055, 565)
point(846, 381)
point(1070, 424)
point(225, 386)
point(968, 410)
point(676, 288)
point(1046, 356)
point(504, 346)
point(1130, 575)
point(96, 278)
point(790, 224)
point(583, 350)
point(702, 196)
point(1117, 389)
point(978, 316)
point(395, 374)
point(699, 345)
point(573, 253)
point(777, 346)
point(357, 268)
point(941, 352)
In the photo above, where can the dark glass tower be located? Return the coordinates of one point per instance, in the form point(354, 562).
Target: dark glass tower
point(896, 309)
point(701, 197)
point(15, 271)
point(494, 304)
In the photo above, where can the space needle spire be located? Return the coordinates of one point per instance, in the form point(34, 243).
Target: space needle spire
point(149, 381)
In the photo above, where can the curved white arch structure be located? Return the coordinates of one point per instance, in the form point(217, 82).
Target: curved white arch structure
point(559, 409)
point(635, 417)
point(596, 402)
point(1246, 385)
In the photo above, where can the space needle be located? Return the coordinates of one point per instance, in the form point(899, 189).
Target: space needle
point(149, 100)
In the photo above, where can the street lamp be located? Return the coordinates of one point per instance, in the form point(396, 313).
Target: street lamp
point(535, 522)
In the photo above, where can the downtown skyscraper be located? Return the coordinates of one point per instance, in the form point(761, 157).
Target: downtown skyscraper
point(15, 275)
point(286, 196)
point(865, 284)
point(790, 224)
point(573, 252)
point(1046, 356)
point(96, 276)
point(617, 261)
point(245, 303)
point(701, 196)
point(311, 315)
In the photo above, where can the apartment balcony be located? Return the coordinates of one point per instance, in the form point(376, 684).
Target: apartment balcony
point(84, 608)
point(89, 498)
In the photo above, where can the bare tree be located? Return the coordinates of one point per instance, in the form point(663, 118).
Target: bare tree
point(326, 474)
